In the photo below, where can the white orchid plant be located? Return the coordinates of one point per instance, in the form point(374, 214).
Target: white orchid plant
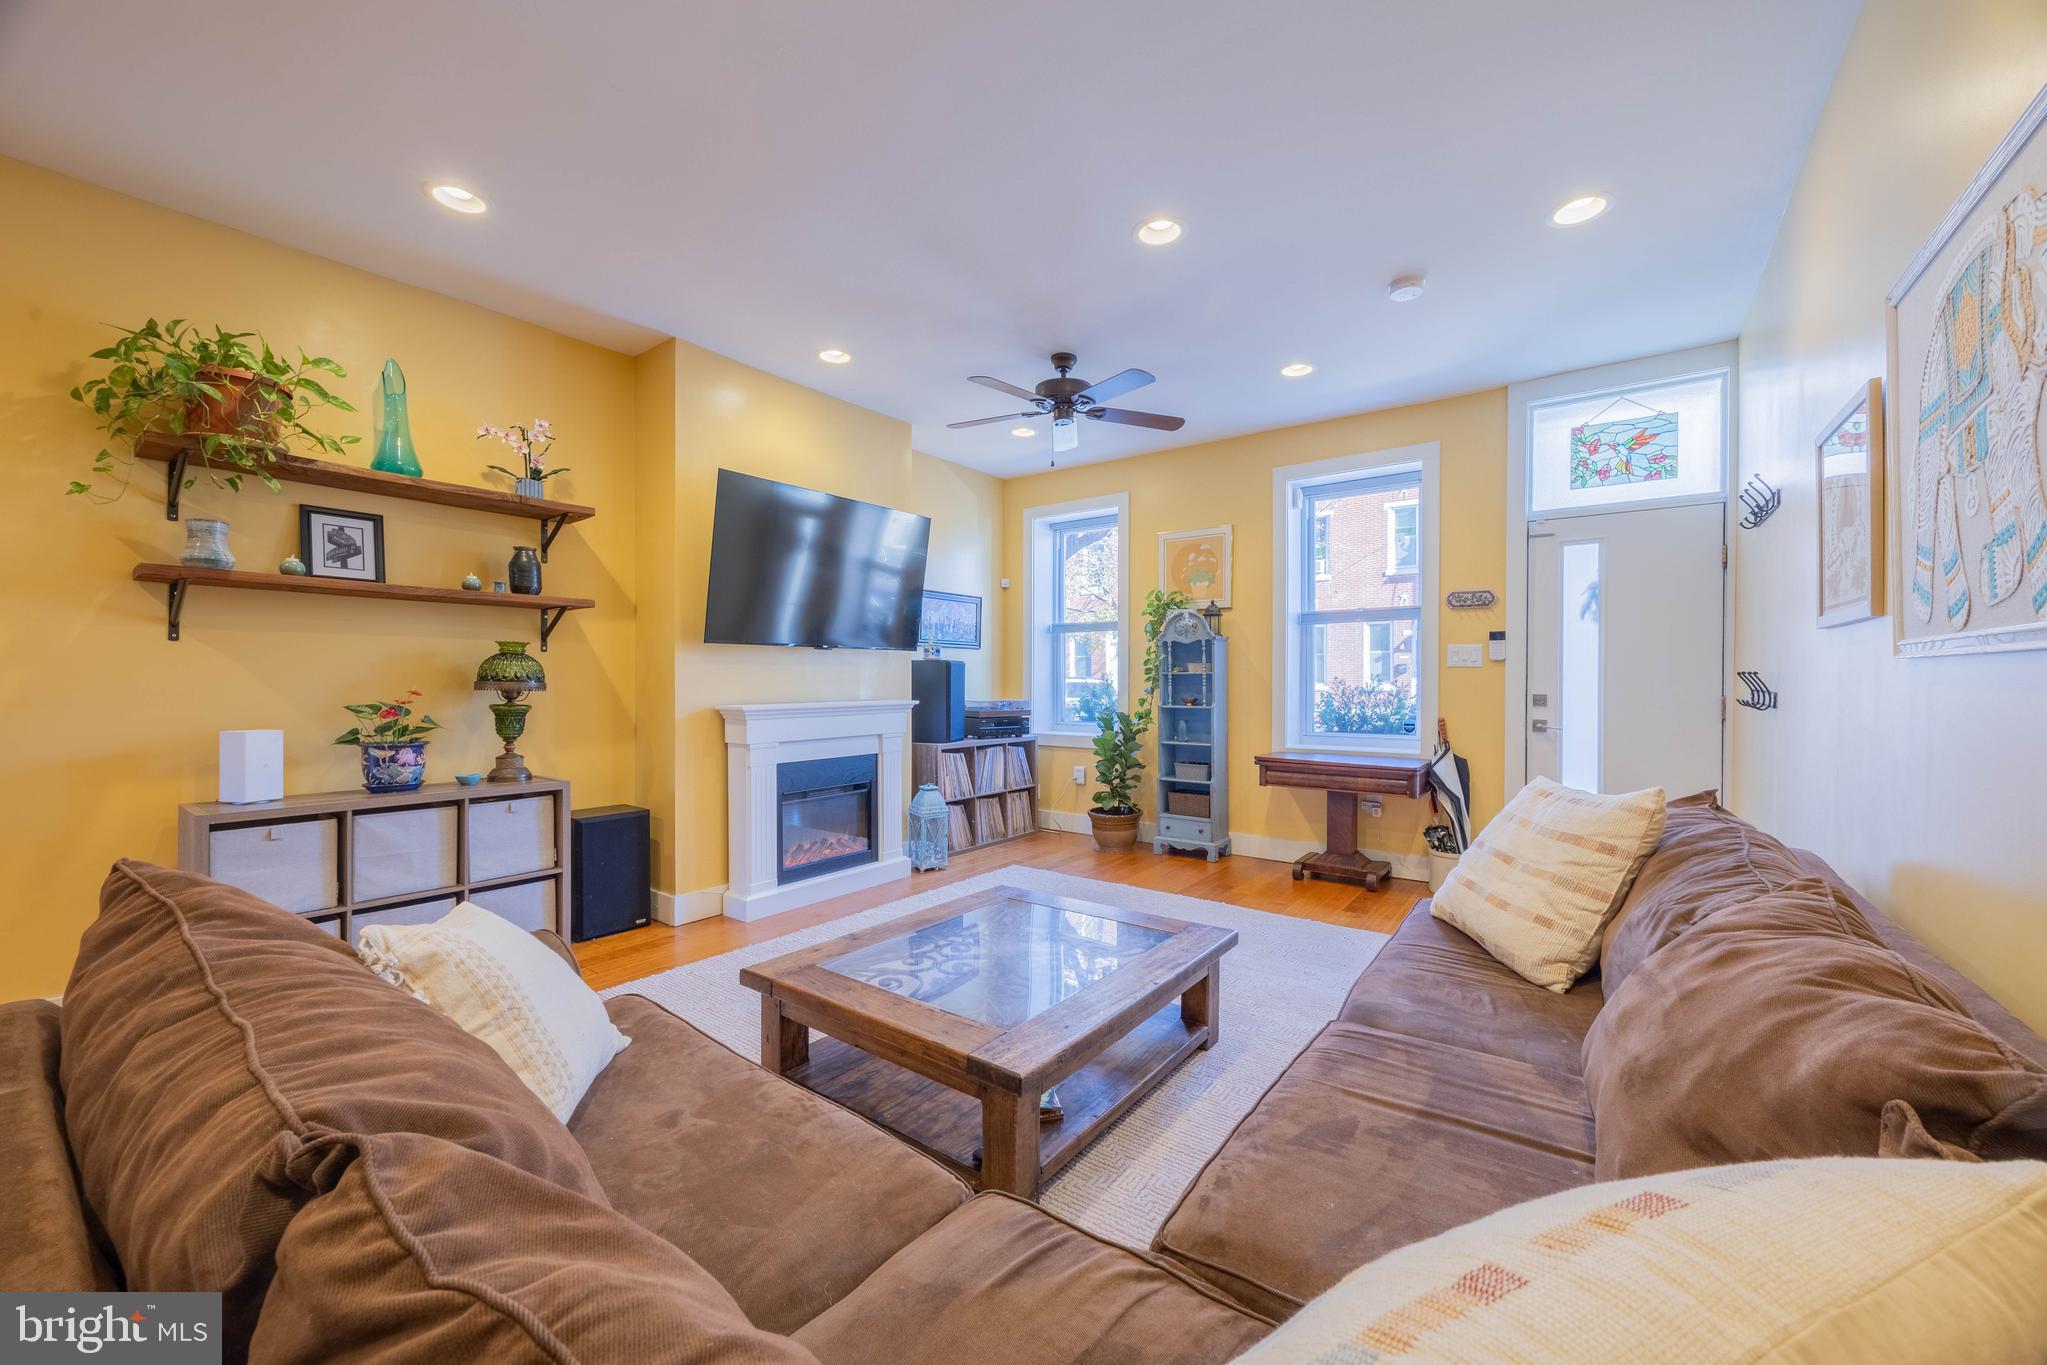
point(532, 444)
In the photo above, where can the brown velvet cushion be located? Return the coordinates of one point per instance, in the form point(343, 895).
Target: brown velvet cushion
point(212, 1047)
point(1435, 982)
point(1367, 1142)
point(46, 1244)
point(789, 1200)
point(1002, 1280)
point(1763, 1033)
point(1708, 858)
point(429, 1252)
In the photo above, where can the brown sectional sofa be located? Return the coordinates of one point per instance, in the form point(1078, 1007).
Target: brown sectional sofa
point(229, 1100)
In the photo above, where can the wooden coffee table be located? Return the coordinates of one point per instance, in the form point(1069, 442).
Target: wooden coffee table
point(948, 1026)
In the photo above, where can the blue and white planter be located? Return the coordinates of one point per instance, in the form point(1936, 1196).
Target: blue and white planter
point(394, 767)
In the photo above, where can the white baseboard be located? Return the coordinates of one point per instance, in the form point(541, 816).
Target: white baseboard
point(1412, 866)
point(690, 906)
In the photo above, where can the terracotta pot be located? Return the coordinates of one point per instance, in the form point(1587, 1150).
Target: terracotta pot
point(1113, 832)
point(239, 410)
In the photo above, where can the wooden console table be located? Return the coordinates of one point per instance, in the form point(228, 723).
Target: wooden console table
point(1344, 777)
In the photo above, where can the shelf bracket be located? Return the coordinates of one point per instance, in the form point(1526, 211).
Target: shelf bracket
point(550, 527)
point(550, 617)
point(173, 489)
point(177, 604)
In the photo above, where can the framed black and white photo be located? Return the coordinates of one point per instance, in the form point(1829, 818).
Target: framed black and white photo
point(337, 543)
point(952, 620)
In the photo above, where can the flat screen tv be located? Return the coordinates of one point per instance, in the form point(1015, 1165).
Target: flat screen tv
point(793, 566)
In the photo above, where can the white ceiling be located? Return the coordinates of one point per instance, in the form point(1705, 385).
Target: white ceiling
point(950, 188)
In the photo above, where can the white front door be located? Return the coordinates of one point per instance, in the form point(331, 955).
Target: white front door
point(1625, 675)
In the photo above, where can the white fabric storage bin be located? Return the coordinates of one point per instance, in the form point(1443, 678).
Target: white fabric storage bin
point(530, 905)
point(512, 836)
point(393, 852)
point(412, 912)
point(293, 864)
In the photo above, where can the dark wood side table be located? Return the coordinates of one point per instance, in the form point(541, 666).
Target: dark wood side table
point(1344, 777)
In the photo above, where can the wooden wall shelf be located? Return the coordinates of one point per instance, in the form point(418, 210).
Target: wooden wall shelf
point(181, 455)
point(181, 577)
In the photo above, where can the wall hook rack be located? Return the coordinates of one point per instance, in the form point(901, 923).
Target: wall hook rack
point(1760, 697)
point(1759, 500)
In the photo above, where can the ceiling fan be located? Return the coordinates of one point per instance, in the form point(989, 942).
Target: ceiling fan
point(1065, 399)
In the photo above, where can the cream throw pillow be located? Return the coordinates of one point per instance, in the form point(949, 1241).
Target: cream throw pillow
point(1540, 882)
point(506, 987)
point(1828, 1260)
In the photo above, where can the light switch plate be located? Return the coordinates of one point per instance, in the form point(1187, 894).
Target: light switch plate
point(1465, 656)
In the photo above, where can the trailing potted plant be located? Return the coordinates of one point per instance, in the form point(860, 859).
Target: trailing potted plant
point(1118, 767)
point(532, 443)
point(393, 754)
point(246, 403)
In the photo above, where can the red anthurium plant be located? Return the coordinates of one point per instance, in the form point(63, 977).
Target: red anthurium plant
point(387, 722)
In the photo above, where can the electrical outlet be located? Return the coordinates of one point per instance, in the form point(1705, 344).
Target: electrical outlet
point(1080, 774)
point(1371, 807)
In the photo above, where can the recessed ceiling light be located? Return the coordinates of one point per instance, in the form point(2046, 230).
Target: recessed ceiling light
point(456, 198)
point(1023, 431)
point(1158, 231)
point(1583, 209)
point(1297, 369)
point(1405, 288)
point(833, 356)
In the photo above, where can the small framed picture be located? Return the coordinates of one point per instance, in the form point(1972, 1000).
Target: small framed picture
point(952, 620)
point(1851, 483)
point(1196, 563)
point(337, 543)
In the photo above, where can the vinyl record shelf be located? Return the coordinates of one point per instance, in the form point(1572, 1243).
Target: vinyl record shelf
point(994, 811)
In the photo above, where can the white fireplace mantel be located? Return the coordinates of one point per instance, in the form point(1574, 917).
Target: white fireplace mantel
point(760, 738)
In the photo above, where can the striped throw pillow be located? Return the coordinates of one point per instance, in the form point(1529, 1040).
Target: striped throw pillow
point(1540, 882)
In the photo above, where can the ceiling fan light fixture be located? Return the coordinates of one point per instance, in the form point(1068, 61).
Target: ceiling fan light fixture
point(1023, 431)
point(1158, 231)
point(832, 355)
point(1583, 209)
point(456, 198)
point(1405, 288)
point(1300, 369)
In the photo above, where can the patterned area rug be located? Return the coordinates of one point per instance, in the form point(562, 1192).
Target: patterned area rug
point(1283, 981)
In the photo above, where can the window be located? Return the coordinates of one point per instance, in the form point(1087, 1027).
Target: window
point(1403, 537)
point(1077, 610)
point(1354, 557)
point(1638, 443)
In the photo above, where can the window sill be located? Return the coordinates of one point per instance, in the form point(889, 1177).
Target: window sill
point(1066, 739)
point(1396, 749)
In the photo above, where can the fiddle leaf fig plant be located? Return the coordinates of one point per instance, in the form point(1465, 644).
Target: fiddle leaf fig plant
point(1120, 737)
point(246, 403)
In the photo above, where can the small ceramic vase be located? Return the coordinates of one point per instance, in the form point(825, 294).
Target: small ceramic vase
point(524, 571)
point(206, 544)
point(470, 583)
point(292, 566)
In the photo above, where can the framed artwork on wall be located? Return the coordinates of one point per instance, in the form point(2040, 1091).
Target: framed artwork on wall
point(1967, 406)
point(1196, 563)
point(1851, 504)
point(952, 620)
point(337, 543)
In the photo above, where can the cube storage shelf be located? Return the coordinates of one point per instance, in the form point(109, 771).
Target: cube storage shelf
point(346, 860)
point(990, 787)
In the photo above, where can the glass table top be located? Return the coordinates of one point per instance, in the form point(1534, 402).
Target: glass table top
point(1000, 963)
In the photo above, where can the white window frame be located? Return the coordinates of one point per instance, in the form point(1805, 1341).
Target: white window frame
point(1293, 580)
point(1041, 599)
point(1394, 568)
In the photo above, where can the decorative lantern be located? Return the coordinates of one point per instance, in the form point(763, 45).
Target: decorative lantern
point(511, 673)
point(930, 832)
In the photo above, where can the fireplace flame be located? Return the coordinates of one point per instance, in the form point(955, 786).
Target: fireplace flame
point(814, 846)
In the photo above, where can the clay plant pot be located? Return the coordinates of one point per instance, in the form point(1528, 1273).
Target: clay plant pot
point(242, 408)
point(1113, 833)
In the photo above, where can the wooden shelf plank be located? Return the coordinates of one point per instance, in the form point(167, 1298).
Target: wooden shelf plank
point(350, 587)
point(164, 448)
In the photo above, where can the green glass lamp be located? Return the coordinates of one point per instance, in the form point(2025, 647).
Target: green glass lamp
point(511, 673)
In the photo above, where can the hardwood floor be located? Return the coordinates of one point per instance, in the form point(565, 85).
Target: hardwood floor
point(1251, 882)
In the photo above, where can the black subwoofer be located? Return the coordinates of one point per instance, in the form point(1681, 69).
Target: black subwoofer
point(611, 862)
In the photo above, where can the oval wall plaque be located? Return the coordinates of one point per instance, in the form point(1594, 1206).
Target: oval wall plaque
point(1471, 597)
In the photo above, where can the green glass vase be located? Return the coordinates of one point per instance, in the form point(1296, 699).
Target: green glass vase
point(395, 452)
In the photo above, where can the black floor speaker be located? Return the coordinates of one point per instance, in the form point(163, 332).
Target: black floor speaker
point(940, 689)
point(610, 859)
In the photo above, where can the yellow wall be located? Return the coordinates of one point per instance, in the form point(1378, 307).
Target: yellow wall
point(1231, 480)
point(1915, 777)
point(728, 415)
point(109, 725)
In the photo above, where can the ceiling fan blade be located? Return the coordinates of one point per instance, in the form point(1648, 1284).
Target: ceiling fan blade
point(984, 421)
point(1116, 385)
point(1002, 386)
point(1158, 421)
point(1064, 436)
